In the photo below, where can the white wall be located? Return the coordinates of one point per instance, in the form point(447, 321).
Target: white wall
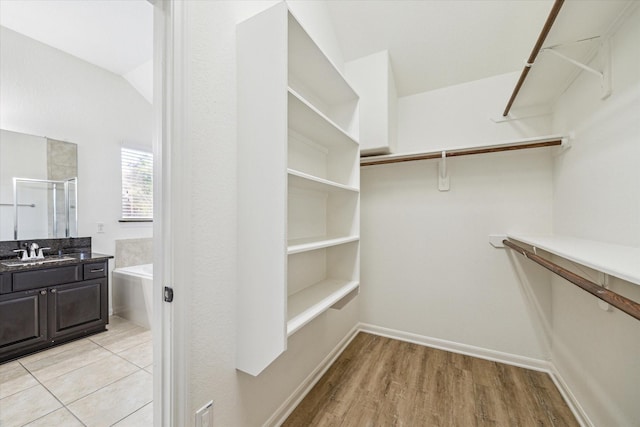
point(210, 274)
point(46, 92)
point(427, 266)
point(460, 115)
point(597, 197)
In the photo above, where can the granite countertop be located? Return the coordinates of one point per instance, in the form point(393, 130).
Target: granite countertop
point(76, 258)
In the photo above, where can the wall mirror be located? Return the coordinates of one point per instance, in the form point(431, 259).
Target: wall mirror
point(38, 187)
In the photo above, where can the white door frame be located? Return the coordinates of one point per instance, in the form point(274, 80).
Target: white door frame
point(170, 330)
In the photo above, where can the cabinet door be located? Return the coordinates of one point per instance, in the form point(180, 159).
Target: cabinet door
point(77, 307)
point(23, 320)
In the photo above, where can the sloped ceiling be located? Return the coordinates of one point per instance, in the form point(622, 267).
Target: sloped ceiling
point(432, 43)
point(116, 35)
point(438, 43)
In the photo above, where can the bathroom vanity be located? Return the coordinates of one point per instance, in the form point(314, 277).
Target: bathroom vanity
point(51, 301)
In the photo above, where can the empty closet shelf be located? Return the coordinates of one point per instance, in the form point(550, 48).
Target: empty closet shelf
point(616, 260)
point(309, 303)
point(314, 124)
point(313, 243)
point(310, 182)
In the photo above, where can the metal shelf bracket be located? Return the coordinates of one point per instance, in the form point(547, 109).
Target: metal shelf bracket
point(604, 75)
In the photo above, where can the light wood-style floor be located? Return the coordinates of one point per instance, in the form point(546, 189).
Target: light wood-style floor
point(379, 381)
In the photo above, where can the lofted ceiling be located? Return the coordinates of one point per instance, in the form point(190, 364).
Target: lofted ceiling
point(431, 43)
point(438, 43)
point(116, 35)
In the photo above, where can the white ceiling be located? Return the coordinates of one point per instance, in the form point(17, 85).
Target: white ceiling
point(438, 43)
point(116, 35)
point(432, 43)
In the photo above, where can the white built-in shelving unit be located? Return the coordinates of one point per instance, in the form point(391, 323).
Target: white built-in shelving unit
point(298, 186)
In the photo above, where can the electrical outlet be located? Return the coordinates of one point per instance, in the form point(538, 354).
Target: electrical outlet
point(100, 227)
point(204, 415)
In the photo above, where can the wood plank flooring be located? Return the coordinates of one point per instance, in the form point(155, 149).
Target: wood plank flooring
point(379, 381)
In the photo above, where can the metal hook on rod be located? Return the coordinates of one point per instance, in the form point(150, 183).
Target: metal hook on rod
point(443, 175)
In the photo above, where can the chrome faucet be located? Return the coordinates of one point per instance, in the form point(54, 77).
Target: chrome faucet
point(32, 251)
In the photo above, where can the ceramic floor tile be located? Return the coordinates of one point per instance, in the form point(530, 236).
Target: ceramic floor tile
point(118, 324)
point(131, 339)
point(49, 357)
point(115, 401)
point(79, 383)
point(141, 355)
point(62, 418)
point(26, 406)
point(143, 417)
point(121, 340)
point(149, 368)
point(45, 354)
point(62, 363)
point(14, 378)
point(7, 367)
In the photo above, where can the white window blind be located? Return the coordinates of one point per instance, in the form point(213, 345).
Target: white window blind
point(137, 184)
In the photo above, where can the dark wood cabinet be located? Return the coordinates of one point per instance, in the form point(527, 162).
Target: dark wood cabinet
point(43, 307)
point(23, 320)
point(77, 307)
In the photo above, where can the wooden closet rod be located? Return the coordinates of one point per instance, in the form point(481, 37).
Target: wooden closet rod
point(630, 307)
point(368, 161)
point(534, 53)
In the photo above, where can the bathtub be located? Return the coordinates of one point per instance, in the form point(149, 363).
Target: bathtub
point(132, 293)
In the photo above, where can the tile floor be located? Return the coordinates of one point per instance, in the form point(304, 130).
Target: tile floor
point(101, 380)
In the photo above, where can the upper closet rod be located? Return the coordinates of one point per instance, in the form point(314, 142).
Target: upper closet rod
point(630, 307)
point(374, 160)
point(534, 53)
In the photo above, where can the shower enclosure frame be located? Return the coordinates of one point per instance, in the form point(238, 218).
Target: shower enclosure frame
point(67, 202)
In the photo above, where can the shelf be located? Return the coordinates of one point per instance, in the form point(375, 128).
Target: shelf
point(338, 163)
point(313, 243)
point(616, 260)
point(525, 143)
point(309, 182)
point(298, 243)
point(307, 120)
point(312, 69)
point(317, 209)
point(578, 32)
point(309, 303)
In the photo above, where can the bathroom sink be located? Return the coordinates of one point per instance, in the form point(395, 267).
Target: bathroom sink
point(37, 261)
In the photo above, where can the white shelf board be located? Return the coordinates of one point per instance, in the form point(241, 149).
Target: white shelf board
point(550, 76)
point(309, 303)
point(310, 182)
point(308, 62)
point(313, 243)
point(307, 120)
point(616, 260)
point(511, 143)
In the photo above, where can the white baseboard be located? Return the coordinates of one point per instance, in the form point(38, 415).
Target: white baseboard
point(569, 398)
point(454, 347)
point(305, 387)
point(496, 356)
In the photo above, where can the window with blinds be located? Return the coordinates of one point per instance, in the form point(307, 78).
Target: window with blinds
point(137, 185)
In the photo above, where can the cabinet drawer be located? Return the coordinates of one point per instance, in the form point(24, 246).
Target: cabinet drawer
point(95, 270)
point(46, 277)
